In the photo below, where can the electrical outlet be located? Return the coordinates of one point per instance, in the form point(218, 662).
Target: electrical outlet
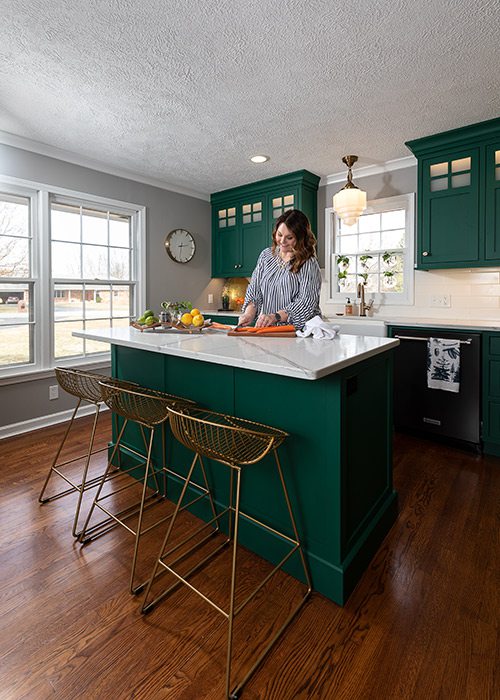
point(53, 392)
point(210, 298)
point(441, 300)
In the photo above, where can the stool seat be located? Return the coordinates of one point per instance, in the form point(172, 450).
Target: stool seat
point(237, 443)
point(230, 440)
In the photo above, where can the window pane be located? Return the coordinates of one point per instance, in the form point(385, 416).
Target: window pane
point(222, 213)
point(95, 228)
point(392, 239)
point(257, 206)
point(439, 169)
point(349, 284)
point(15, 345)
point(68, 302)
point(370, 265)
point(247, 218)
point(15, 304)
point(66, 260)
point(460, 164)
point(14, 215)
point(120, 322)
point(65, 345)
point(462, 180)
point(222, 223)
point(440, 183)
point(247, 208)
point(288, 200)
point(231, 222)
point(497, 157)
point(14, 257)
point(64, 224)
point(257, 216)
point(95, 262)
point(119, 232)
point(393, 219)
point(277, 202)
point(231, 212)
point(372, 283)
point(119, 264)
point(369, 241)
point(347, 230)
point(369, 222)
point(122, 301)
point(93, 346)
point(348, 244)
point(97, 301)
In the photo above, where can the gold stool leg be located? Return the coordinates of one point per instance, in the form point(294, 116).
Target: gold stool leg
point(146, 607)
point(83, 532)
point(138, 533)
point(233, 576)
point(53, 466)
point(81, 490)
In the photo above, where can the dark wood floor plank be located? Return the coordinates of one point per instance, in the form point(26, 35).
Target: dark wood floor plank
point(423, 623)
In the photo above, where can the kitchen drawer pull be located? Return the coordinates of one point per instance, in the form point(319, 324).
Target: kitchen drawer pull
point(414, 337)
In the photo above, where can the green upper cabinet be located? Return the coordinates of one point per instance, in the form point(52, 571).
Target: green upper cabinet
point(243, 218)
point(458, 210)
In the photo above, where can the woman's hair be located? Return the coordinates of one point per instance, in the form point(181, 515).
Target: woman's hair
point(305, 247)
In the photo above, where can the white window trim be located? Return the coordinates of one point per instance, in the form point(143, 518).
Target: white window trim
point(39, 194)
point(403, 201)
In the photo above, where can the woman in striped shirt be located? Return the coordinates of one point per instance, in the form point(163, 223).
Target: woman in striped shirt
point(285, 285)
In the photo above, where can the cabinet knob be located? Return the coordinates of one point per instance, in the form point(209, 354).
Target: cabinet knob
point(236, 267)
point(425, 253)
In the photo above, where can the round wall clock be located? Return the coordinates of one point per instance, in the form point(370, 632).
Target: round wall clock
point(180, 245)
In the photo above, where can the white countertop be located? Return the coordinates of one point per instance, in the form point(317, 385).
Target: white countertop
point(303, 358)
point(426, 322)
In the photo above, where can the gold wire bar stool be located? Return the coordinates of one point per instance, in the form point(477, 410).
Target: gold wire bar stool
point(149, 409)
point(85, 386)
point(237, 443)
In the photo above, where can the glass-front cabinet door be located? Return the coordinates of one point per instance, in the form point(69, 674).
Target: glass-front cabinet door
point(253, 233)
point(450, 209)
point(227, 237)
point(492, 208)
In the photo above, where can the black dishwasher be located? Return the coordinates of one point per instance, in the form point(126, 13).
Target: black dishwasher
point(417, 408)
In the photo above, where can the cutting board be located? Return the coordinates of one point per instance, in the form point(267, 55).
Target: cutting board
point(285, 334)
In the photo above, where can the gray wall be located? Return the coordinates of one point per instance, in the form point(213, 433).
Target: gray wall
point(165, 210)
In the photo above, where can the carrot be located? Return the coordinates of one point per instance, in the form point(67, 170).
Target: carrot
point(275, 329)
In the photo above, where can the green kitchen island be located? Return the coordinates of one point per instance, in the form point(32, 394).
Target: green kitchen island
point(334, 397)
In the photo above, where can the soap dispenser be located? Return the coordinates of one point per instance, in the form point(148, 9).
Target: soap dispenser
point(348, 307)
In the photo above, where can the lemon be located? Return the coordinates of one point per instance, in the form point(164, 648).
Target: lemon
point(198, 320)
point(195, 312)
point(187, 319)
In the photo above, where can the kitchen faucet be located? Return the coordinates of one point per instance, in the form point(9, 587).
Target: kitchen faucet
point(363, 308)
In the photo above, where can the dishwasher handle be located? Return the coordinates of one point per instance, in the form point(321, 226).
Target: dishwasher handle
point(415, 337)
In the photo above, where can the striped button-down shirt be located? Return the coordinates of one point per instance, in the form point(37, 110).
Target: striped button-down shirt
point(274, 287)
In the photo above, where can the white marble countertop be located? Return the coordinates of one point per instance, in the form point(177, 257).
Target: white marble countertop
point(303, 358)
point(426, 322)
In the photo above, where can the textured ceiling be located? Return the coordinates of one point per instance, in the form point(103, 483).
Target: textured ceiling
point(185, 91)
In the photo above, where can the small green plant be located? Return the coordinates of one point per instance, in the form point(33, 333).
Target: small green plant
point(364, 260)
point(177, 307)
point(343, 262)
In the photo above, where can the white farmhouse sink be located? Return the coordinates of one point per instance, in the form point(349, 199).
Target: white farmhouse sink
point(360, 326)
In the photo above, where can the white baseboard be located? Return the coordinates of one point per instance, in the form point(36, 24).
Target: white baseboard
point(27, 426)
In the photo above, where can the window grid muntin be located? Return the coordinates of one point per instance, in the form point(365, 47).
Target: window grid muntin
point(251, 213)
point(282, 204)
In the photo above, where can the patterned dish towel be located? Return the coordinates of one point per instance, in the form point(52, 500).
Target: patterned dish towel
point(443, 364)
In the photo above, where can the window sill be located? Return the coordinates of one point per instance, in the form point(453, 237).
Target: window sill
point(34, 375)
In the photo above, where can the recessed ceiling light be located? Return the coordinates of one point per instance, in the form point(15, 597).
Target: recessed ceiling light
point(259, 159)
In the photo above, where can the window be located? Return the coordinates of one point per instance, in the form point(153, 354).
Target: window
point(16, 278)
point(377, 252)
point(66, 263)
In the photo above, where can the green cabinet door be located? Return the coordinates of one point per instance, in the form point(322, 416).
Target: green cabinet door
point(254, 230)
point(226, 238)
point(458, 197)
point(450, 231)
point(492, 209)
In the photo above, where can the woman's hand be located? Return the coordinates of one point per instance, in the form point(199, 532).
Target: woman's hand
point(247, 316)
point(265, 320)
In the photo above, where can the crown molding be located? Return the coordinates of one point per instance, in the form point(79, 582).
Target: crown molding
point(377, 169)
point(45, 149)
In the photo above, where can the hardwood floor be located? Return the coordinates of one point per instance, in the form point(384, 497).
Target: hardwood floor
point(422, 624)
